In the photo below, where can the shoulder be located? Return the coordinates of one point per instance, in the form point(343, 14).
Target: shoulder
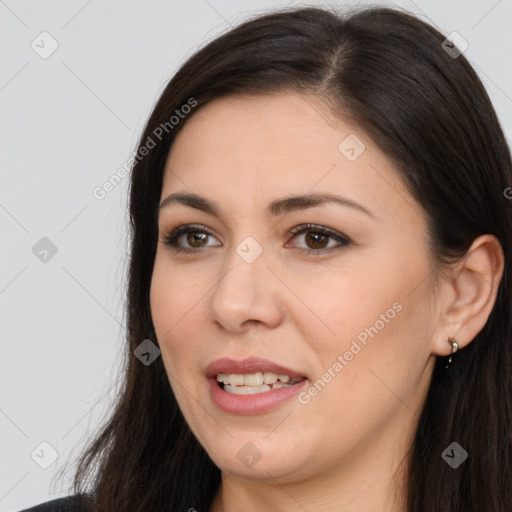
point(68, 504)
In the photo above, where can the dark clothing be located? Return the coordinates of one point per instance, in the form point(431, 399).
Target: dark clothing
point(67, 504)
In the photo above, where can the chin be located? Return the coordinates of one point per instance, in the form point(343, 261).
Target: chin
point(253, 457)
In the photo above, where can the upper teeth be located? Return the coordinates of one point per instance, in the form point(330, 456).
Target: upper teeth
point(254, 379)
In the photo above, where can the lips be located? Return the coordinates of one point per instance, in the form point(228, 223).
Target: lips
point(249, 365)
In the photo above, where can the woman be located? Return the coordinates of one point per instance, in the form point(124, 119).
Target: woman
point(319, 308)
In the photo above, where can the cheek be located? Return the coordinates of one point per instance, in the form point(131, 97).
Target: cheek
point(167, 308)
point(174, 295)
point(365, 323)
point(373, 368)
point(175, 328)
point(176, 300)
point(346, 303)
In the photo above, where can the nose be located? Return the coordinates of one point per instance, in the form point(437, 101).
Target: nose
point(246, 294)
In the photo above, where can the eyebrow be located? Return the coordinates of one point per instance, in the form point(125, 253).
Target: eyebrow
point(277, 207)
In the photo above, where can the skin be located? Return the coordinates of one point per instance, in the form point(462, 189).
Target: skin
point(343, 449)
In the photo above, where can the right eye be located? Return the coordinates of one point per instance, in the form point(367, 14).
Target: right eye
point(193, 234)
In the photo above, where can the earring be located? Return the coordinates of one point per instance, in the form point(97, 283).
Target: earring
point(455, 347)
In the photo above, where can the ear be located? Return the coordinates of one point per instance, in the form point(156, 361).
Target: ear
point(469, 294)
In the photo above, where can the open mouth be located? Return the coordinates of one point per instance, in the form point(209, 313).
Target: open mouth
point(253, 383)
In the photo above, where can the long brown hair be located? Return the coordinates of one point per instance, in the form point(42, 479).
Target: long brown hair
point(429, 113)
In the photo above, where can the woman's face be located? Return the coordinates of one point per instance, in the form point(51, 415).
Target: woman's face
point(352, 315)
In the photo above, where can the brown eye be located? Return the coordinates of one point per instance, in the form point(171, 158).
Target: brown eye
point(317, 238)
point(196, 237)
point(188, 238)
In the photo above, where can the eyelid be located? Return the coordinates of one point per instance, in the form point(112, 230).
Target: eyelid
point(320, 229)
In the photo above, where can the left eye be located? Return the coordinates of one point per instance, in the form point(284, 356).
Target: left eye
point(316, 237)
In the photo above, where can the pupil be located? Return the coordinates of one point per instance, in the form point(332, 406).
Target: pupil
point(193, 237)
point(315, 237)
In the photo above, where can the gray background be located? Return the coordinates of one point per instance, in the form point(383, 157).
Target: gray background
point(67, 123)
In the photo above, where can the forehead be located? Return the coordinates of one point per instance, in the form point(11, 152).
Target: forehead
point(285, 125)
point(269, 146)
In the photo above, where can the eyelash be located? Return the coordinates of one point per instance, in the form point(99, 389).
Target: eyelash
point(172, 238)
